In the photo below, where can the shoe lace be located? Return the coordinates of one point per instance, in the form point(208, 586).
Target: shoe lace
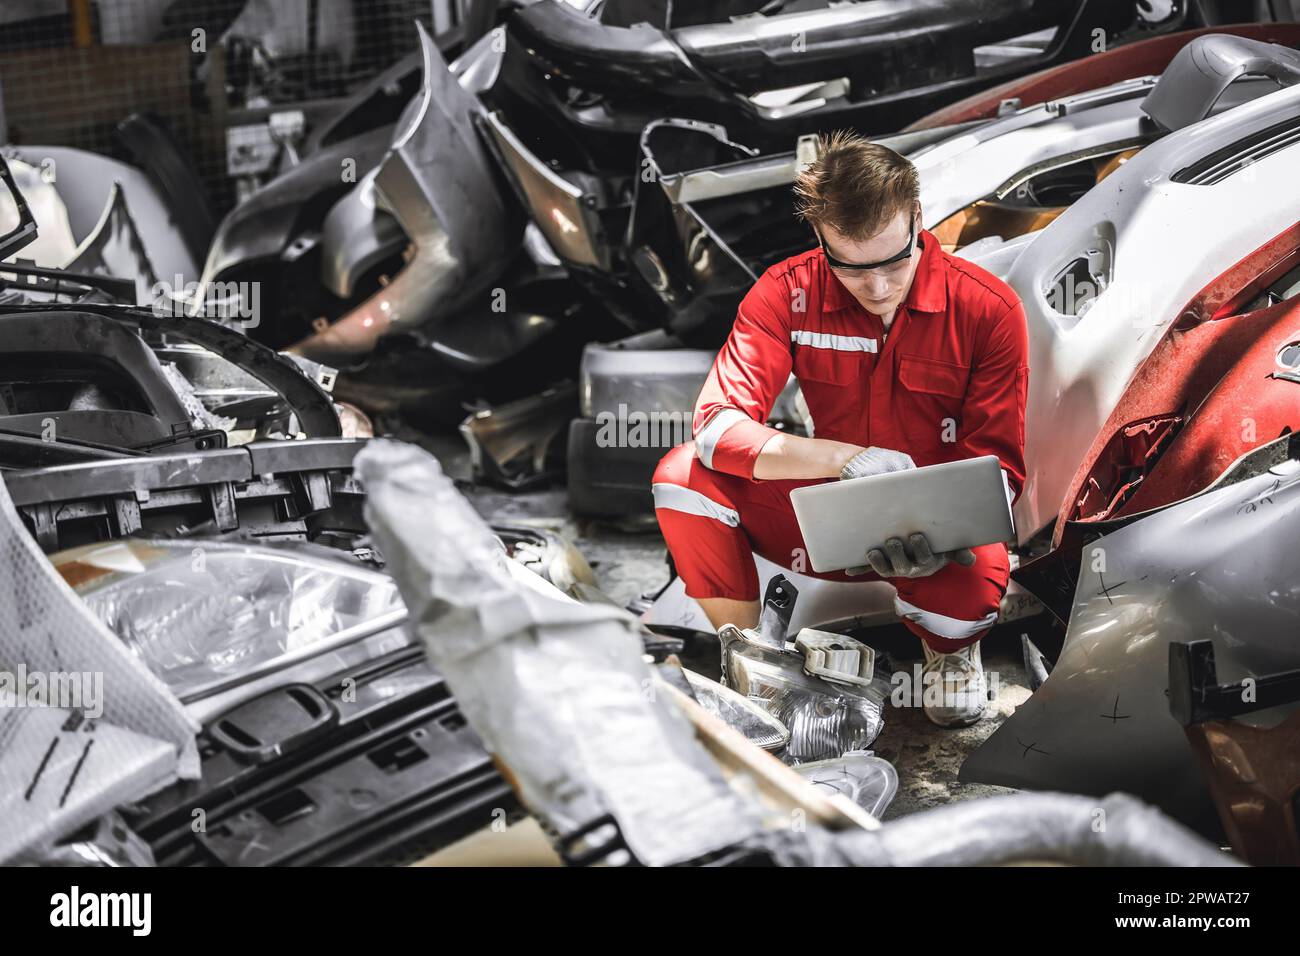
point(957, 663)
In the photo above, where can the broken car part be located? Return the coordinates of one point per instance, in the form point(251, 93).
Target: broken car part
point(514, 444)
point(83, 184)
point(739, 712)
point(368, 762)
point(867, 780)
point(437, 182)
point(201, 614)
point(1217, 385)
point(617, 751)
point(300, 490)
point(1252, 772)
point(825, 719)
point(104, 733)
point(1218, 562)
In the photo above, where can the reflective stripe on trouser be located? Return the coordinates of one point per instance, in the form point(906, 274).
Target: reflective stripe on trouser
point(714, 522)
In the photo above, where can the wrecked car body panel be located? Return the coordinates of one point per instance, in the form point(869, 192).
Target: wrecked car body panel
point(436, 180)
point(1101, 720)
point(1218, 384)
point(85, 183)
point(870, 65)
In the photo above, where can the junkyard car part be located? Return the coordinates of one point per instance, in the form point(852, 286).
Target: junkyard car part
point(1218, 562)
point(84, 184)
point(514, 444)
point(835, 658)
point(1253, 773)
point(867, 780)
point(301, 490)
point(755, 722)
point(103, 732)
point(549, 555)
point(1216, 385)
point(1034, 828)
point(824, 719)
point(105, 842)
point(81, 376)
point(437, 181)
point(858, 64)
point(371, 763)
point(17, 224)
point(612, 750)
point(202, 613)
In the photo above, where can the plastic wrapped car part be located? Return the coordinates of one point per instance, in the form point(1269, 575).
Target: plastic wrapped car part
point(825, 720)
point(867, 780)
point(143, 737)
point(754, 721)
point(556, 689)
point(1025, 827)
point(203, 613)
point(62, 770)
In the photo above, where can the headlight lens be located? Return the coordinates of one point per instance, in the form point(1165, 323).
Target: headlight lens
point(867, 780)
point(739, 712)
point(201, 614)
point(824, 720)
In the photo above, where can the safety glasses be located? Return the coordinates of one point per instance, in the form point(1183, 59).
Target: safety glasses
point(883, 267)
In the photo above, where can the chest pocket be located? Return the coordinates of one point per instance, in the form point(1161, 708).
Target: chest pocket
point(933, 377)
point(830, 366)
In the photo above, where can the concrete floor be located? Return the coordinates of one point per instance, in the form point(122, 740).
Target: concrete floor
point(626, 565)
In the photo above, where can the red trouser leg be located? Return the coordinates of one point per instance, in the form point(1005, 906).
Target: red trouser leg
point(714, 522)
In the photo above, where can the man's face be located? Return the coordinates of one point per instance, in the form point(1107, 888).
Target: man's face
point(879, 290)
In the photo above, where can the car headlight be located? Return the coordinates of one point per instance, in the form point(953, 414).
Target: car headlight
point(202, 615)
point(824, 719)
point(867, 780)
point(739, 712)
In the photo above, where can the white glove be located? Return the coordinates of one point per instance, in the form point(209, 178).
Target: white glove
point(876, 461)
point(893, 561)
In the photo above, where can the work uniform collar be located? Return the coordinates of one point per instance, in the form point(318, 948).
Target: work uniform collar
point(929, 292)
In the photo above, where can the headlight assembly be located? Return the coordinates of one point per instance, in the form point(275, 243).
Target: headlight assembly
point(825, 719)
point(203, 615)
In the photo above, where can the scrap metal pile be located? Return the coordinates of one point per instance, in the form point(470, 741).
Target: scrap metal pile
point(545, 225)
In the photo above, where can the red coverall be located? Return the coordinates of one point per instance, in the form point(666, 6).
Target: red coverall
point(948, 382)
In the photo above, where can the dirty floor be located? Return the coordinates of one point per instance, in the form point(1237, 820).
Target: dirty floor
point(628, 564)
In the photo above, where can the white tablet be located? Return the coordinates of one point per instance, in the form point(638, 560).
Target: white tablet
point(958, 504)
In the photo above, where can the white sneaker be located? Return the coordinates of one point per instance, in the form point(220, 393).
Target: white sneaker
point(959, 696)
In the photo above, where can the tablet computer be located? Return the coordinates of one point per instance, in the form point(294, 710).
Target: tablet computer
point(957, 504)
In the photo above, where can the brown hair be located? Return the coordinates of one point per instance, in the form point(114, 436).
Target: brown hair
point(855, 186)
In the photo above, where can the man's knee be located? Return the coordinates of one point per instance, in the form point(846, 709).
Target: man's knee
point(674, 468)
point(958, 604)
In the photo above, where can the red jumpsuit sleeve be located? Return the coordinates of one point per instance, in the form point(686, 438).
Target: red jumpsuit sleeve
point(993, 416)
point(747, 376)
